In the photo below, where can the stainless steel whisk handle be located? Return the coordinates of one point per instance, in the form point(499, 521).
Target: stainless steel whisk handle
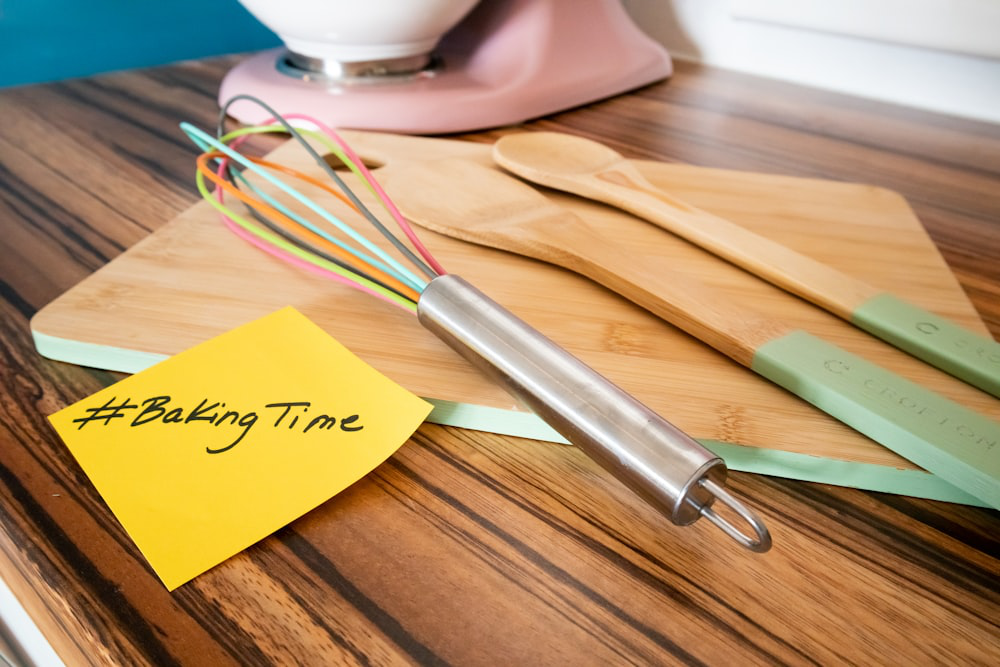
point(652, 457)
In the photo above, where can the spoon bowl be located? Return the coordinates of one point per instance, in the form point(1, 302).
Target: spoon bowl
point(549, 155)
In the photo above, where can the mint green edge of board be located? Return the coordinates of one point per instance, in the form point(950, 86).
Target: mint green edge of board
point(954, 349)
point(776, 463)
point(945, 438)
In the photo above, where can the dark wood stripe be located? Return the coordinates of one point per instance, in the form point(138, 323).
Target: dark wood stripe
point(93, 93)
point(320, 621)
point(102, 594)
point(331, 575)
point(956, 521)
point(876, 527)
point(227, 634)
point(549, 567)
point(38, 207)
point(13, 298)
point(197, 79)
point(633, 570)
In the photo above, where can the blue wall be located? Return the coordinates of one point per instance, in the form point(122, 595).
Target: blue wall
point(45, 40)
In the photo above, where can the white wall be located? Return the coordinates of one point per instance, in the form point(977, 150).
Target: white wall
point(940, 55)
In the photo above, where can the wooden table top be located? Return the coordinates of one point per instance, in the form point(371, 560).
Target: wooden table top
point(470, 548)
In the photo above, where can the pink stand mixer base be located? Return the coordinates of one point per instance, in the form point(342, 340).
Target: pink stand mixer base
point(505, 63)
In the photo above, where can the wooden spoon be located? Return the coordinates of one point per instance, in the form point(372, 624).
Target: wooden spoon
point(487, 207)
point(592, 170)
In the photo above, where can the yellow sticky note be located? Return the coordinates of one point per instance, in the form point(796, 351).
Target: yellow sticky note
point(215, 448)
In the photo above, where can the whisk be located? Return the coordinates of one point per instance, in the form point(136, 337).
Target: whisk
point(655, 459)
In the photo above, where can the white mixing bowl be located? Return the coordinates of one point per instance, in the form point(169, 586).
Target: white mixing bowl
point(359, 30)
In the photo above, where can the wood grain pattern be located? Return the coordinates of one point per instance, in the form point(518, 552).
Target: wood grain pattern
point(466, 548)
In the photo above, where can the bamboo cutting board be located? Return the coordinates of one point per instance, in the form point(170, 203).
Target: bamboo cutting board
point(192, 280)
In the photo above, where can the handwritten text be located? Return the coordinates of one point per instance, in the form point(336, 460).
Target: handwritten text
point(160, 409)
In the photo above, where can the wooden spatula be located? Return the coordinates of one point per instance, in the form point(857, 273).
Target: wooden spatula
point(592, 170)
point(495, 210)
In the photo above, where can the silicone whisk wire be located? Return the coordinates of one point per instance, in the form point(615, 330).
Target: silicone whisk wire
point(287, 234)
point(350, 159)
point(295, 255)
point(287, 227)
point(347, 156)
point(397, 216)
point(381, 258)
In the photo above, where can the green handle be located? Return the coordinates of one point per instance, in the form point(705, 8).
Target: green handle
point(940, 342)
point(953, 442)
